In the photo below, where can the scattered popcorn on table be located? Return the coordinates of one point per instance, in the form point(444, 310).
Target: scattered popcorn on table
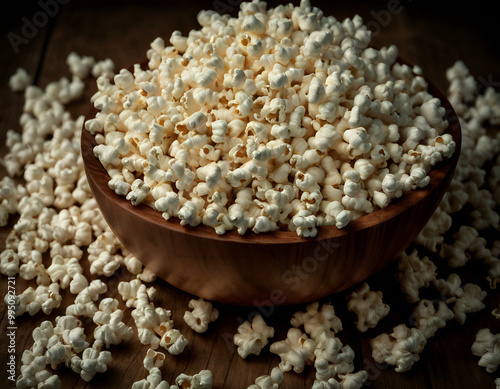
point(152, 362)
point(401, 348)
point(93, 361)
point(368, 307)
point(110, 327)
point(316, 321)
point(20, 80)
point(428, 319)
point(252, 338)
point(202, 380)
point(487, 346)
point(271, 381)
point(294, 351)
point(414, 273)
point(470, 301)
point(201, 315)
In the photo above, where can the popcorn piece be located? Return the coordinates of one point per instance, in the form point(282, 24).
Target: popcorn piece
point(202, 380)
point(450, 288)
point(172, 340)
point(103, 68)
point(34, 374)
point(20, 80)
point(33, 300)
point(487, 346)
point(470, 301)
point(84, 303)
point(414, 273)
point(110, 327)
point(135, 293)
point(70, 331)
point(9, 263)
point(152, 362)
point(354, 380)
point(80, 66)
point(93, 361)
point(332, 358)
point(294, 351)
point(202, 314)
point(368, 306)
point(153, 359)
point(252, 338)
point(271, 381)
point(456, 252)
point(316, 321)
point(428, 319)
point(401, 348)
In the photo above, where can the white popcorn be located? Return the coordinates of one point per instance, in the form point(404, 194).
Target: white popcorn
point(172, 340)
point(62, 270)
point(401, 348)
point(201, 315)
point(9, 262)
point(70, 331)
point(470, 301)
point(201, 380)
point(153, 359)
point(271, 381)
point(450, 287)
point(19, 80)
point(152, 362)
point(153, 381)
point(368, 307)
point(110, 329)
point(414, 273)
point(135, 294)
point(252, 338)
point(93, 361)
point(294, 351)
point(88, 293)
point(428, 319)
point(486, 346)
point(34, 374)
point(317, 321)
point(103, 68)
point(354, 380)
point(287, 99)
point(45, 298)
point(80, 66)
point(332, 358)
point(456, 252)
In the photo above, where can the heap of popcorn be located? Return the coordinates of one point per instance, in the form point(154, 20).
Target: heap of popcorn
point(277, 119)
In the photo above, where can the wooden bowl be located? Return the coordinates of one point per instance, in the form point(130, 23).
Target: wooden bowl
point(274, 268)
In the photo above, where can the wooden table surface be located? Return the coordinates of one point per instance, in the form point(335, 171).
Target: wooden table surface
point(426, 33)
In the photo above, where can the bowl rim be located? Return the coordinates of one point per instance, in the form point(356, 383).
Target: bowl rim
point(443, 168)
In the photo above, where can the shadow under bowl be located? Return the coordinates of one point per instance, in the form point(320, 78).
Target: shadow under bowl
point(274, 268)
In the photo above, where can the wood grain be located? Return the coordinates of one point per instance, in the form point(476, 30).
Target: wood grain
point(424, 36)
